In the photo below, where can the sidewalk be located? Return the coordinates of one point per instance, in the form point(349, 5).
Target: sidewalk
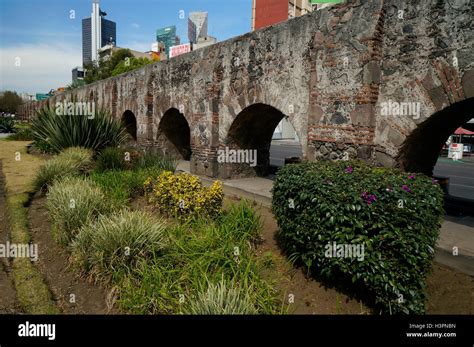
point(455, 231)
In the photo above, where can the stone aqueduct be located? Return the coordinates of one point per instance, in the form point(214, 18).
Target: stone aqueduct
point(329, 72)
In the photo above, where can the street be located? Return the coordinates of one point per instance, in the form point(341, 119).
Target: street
point(461, 173)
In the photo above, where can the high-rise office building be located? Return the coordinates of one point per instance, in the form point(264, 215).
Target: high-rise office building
point(96, 33)
point(197, 26)
point(269, 12)
point(168, 37)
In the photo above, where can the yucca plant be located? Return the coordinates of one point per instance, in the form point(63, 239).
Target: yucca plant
point(63, 131)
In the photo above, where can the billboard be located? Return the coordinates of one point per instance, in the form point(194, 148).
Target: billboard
point(179, 49)
point(41, 96)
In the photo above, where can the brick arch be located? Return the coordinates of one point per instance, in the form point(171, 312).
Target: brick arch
point(421, 147)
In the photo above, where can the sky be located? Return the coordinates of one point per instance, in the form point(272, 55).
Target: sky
point(41, 40)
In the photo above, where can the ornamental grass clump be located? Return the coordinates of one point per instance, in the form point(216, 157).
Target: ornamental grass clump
point(73, 202)
point(70, 162)
point(111, 246)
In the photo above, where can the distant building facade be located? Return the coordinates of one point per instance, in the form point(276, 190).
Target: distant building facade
point(197, 26)
point(168, 37)
point(96, 33)
point(78, 73)
point(269, 12)
point(106, 52)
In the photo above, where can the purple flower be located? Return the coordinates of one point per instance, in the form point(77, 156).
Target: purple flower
point(368, 198)
point(434, 181)
point(406, 188)
point(349, 169)
point(411, 177)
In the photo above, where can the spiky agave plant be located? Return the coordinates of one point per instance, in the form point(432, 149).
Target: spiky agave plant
point(63, 131)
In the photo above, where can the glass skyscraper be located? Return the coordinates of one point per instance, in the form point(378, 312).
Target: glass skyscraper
point(168, 36)
point(108, 34)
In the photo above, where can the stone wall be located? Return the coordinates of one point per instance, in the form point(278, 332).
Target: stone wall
point(329, 72)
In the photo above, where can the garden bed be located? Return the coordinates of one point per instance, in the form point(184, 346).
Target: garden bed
point(53, 262)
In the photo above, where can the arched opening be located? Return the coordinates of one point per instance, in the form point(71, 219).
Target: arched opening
point(429, 149)
point(253, 130)
point(422, 147)
point(130, 123)
point(174, 134)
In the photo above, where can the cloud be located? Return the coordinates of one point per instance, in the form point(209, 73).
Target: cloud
point(42, 66)
point(135, 25)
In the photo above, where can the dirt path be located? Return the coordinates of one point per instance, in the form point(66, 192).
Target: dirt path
point(7, 290)
point(53, 262)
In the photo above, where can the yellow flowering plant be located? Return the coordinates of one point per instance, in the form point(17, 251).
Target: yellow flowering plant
point(182, 195)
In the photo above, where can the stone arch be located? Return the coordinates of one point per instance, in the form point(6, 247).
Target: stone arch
point(129, 121)
point(174, 134)
point(419, 152)
point(252, 129)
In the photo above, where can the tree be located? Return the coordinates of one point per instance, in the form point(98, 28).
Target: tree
point(103, 70)
point(10, 101)
point(129, 65)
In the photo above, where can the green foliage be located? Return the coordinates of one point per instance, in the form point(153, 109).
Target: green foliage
point(148, 159)
point(394, 215)
point(129, 65)
point(198, 257)
point(62, 131)
point(111, 158)
point(114, 158)
point(114, 244)
point(7, 125)
point(76, 84)
point(73, 202)
point(120, 186)
point(183, 196)
point(71, 162)
point(9, 102)
point(22, 132)
point(121, 61)
point(223, 298)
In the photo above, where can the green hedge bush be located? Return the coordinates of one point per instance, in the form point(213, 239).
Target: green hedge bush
point(395, 216)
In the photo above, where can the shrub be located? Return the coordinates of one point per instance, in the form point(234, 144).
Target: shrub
point(7, 125)
point(111, 158)
point(183, 195)
point(22, 132)
point(71, 162)
point(72, 202)
point(395, 216)
point(114, 244)
point(152, 159)
point(62, 131)
point(120, 186)
point(223, 298)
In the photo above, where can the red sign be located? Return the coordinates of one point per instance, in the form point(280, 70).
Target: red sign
point(180, 49)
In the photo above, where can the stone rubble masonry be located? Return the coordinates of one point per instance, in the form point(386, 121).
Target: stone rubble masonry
point(328, 71)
